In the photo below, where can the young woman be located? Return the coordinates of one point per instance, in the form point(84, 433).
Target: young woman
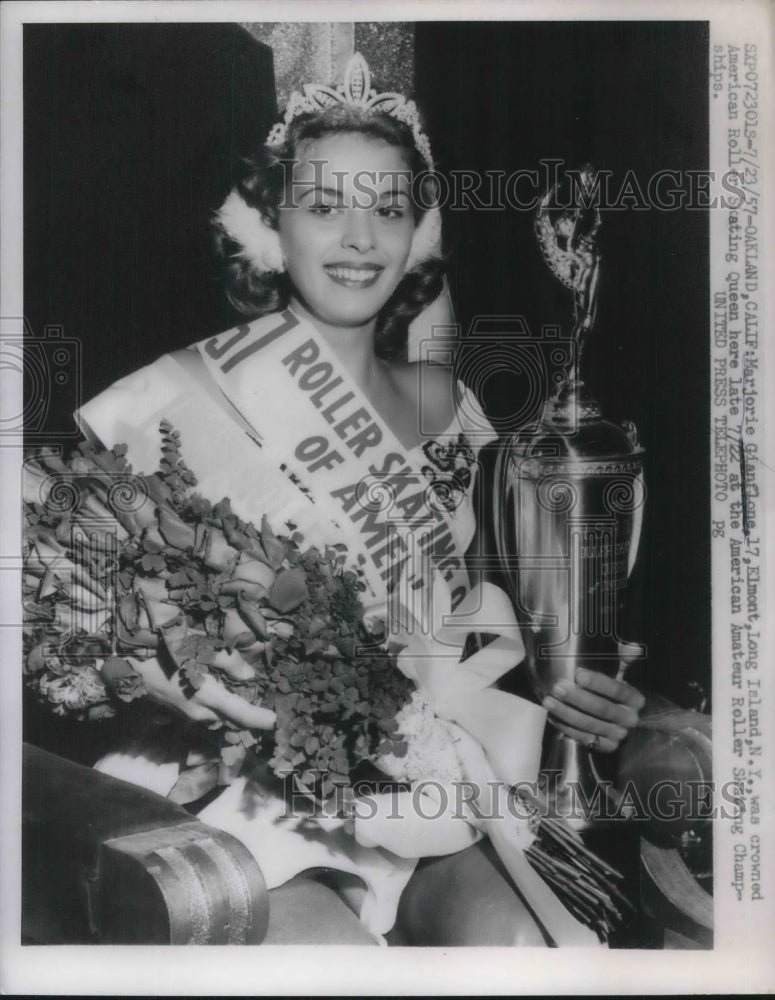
point(331, 241)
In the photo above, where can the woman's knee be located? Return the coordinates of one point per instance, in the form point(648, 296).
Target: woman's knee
point(464, 899)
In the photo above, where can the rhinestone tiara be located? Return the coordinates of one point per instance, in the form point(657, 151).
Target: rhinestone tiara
point(356, 90)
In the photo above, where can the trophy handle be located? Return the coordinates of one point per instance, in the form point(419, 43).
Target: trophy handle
point(637, 526)
point(500, 500)
point(505, 524)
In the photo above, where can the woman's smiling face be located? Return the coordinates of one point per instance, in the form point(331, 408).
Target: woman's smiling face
point(347, 227)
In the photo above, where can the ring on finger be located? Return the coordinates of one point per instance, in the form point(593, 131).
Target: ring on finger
point(593, 744)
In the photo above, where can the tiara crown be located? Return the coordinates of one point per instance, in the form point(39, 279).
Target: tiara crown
point(356, 90)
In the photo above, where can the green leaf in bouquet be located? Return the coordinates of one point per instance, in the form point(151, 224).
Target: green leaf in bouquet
point(331, 781)
point(298, 738)
point(199, 505)
point(284, 686)
point(224, 601)
point(112, 461)
point(346, 646)
point(288, 590)
point(285, 668)
point(312, 647)
point(152, 563)
point(306, 779)
point(315, 626)
point(221, 510)
point(194, 674)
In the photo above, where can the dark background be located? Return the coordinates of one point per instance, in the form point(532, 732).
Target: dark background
point(623, 96)
point(131, 134)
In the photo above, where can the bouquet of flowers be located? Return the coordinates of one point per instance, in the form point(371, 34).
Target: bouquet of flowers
point(119, 566)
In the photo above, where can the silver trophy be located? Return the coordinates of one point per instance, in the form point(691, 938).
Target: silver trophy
point(569, 497)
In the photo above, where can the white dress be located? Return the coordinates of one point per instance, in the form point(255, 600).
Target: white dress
point(212, 439)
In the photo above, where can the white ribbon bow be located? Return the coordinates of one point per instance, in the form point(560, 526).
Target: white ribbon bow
point(499, 739)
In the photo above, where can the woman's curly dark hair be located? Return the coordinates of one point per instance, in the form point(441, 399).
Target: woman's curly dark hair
point(261, 184)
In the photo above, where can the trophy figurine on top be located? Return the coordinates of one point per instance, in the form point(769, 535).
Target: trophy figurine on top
point(568, 497)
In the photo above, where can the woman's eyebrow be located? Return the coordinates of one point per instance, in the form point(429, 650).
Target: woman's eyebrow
point(316, 189)
point(393, 192)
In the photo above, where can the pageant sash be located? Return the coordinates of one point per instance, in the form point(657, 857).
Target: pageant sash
point(220, 448)
point(338, 448)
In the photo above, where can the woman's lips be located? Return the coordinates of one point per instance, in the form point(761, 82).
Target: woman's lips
point(354, 276)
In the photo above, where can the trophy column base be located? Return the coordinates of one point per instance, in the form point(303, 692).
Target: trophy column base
point(571, 787)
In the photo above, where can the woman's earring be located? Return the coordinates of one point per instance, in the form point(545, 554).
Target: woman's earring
point(258, 242)
point(426, 242)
